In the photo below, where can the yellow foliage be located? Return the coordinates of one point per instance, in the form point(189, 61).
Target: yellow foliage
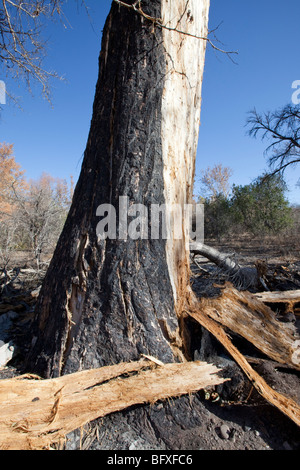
point(11, 177)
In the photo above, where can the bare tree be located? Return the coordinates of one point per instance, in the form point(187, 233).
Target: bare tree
point(22, 47)
point(282, 128)
point(215, 180)
point(8, 229)
point(41, 212)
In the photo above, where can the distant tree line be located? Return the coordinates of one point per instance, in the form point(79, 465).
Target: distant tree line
point(259, 208)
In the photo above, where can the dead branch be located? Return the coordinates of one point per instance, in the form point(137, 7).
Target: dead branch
point(243, 277)
point(36, 413)
point(246, 315)
point(289, 298)
point(284, 404)
point(136, 7)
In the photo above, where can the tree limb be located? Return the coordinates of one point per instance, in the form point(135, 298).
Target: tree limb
point(158, 22)
point(242, 277)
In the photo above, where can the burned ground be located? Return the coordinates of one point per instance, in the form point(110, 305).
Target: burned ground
point(231, 416)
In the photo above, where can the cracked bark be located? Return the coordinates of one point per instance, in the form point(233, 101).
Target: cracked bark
point(103, 302)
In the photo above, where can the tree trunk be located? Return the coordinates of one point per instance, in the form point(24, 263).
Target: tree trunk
point(107, 301)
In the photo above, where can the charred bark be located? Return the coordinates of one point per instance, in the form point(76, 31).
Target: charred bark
point(107, 301)
point(105, 294)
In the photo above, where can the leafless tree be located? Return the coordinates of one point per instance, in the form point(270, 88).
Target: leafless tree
point(215, 180)
point(22, 47)
point(40, 213)
point(282, 128)
point(8, 228)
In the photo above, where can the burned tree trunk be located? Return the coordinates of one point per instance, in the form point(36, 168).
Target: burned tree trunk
point(109, 300)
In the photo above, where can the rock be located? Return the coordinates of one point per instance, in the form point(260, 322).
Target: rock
point(139, 444)
point(7, 352)
point(225, 431)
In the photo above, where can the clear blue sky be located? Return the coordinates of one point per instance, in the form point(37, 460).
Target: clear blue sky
point(266, 35)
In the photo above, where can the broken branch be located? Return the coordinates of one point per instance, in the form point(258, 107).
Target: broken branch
point(243, 277)
point(36, 413)
point(246, 315)
point(284, 404)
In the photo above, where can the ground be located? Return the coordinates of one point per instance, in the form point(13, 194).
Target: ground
point(231, 417)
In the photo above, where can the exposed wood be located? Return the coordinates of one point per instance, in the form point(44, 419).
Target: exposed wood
point(181, 106)
point(286, 405)
point(244, 314)
point(36, 413)
point(289, 298)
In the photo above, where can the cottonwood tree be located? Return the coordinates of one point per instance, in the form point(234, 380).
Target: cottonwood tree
point(106, 300)
point(11, 176)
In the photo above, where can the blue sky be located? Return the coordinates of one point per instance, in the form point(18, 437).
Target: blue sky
point(266, 35)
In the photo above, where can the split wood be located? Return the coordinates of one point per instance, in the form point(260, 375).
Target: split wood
point(37, 413)
point(290, 298)
point(244, 314)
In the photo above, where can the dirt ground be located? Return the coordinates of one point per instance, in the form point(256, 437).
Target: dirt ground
point(231, 417)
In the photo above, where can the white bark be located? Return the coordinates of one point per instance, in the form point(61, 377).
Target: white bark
point(181, 105)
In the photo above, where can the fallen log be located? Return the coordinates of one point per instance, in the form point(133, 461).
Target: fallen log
point(37, 413)
point(246, 315)
point(285, 404)
point(242, 277)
